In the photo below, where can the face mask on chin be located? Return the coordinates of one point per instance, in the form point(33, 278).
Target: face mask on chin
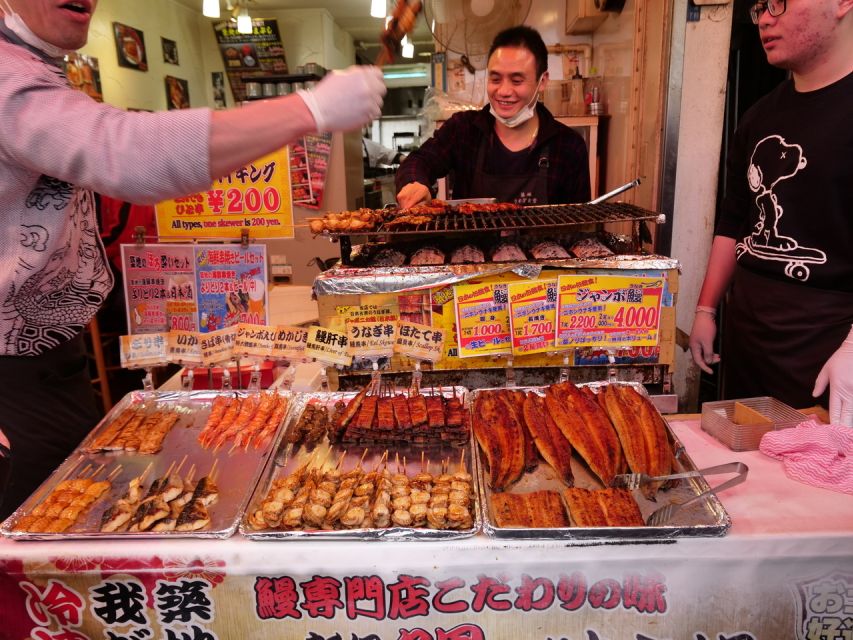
point(16, 25)
point(524, 114)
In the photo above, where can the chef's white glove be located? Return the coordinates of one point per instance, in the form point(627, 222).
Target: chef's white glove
point(702, 340)
point(345, 100)
point(838, 373)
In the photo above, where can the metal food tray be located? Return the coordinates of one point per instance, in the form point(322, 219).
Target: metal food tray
point(707, 518)
point(718, 420)
point(289, 457)
point(236, 472)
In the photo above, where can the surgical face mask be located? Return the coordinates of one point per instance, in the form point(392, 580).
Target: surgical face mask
point(16, 25)
point(524, 114)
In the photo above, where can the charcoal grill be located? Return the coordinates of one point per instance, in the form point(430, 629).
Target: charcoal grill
point(560, 217)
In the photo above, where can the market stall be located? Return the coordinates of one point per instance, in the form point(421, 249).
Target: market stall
point(785, 570)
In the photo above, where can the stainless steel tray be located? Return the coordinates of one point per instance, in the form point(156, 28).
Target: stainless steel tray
point(289, 457)
point(718, 420)
point(708, 518)
point(237, 472)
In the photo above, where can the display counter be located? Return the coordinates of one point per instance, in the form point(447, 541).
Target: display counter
point(785, 570)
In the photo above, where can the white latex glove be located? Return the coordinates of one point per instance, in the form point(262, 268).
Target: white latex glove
point(702, 340)
point(345, 100)
point(412, 194)
point(838, 373)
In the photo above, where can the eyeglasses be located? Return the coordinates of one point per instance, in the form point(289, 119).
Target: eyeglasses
point(774, 7)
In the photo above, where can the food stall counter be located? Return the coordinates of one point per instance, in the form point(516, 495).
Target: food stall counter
point(785, 570)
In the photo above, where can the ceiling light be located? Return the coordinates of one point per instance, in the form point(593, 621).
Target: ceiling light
point(378, 8)
point(210, 8)
point(244, 21)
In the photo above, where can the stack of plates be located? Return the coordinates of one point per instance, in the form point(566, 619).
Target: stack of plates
point(737, 430)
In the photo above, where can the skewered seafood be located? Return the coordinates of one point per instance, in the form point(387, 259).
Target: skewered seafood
point(250, 420)
point(135, 429)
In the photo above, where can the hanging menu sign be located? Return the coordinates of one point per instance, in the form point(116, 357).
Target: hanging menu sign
point(419, 341)
point(327, 346)
point(250, 55)
point(289, 342)
point(371, 339)
point(482, 319)
point(218, 346)
point(533, 315)
point(184, 347)
point(608, 311)
point(147, 350)
point(254, 340)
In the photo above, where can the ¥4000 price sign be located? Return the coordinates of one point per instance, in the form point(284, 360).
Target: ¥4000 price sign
point(608, 311)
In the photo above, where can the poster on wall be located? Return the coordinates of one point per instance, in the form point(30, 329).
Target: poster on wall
point(250, 55)
point(177, 93)
point(84, 74)
point(217, 80)
point(186, 287)
point(255, 197)
point(170, 51)
point(319, 149)
point(130, 47)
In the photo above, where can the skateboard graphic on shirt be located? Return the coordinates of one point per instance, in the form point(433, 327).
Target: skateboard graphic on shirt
point(772, 161)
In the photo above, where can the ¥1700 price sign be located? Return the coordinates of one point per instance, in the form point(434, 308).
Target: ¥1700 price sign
point(608, 311)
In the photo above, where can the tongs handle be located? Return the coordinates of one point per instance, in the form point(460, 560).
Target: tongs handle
point(728, 467)
point(731, 467)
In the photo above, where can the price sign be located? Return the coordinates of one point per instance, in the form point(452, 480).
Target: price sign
point(218, 346)
point(289, 342)
point(144, 350)
point(371, 339)
point(184, 347)
point(608, 311)
point(419, 341)
point(327, 346)
point(533, 315)
point(482, 319)
point(254, 340)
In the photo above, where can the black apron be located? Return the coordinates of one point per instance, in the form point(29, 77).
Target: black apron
point(518, 188)
point(778, 335)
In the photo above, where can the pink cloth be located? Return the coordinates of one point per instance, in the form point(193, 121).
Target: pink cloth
point(814, 453)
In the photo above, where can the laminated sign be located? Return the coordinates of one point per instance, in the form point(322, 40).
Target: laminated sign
point(482, 319)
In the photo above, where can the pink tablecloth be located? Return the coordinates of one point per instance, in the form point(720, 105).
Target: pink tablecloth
point(768, 502)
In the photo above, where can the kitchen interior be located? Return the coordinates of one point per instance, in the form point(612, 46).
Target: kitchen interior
point(657, 67)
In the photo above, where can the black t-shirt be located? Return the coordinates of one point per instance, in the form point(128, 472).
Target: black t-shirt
point(789, 198)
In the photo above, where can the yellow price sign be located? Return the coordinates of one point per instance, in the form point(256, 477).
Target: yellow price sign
point(289, 342)
point(419, 341)
point(482, 319)
point(608, 311)
point(218, 346)
point(255, 340)
point(330, 347)
point(371, 339)
point(533, 316)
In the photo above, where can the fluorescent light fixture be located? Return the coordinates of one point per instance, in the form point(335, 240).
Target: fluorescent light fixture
point(398, 75)
point(244, 21)
point(210, 8)
point(378, 8)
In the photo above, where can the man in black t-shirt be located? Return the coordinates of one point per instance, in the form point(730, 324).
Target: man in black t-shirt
point(784, 240)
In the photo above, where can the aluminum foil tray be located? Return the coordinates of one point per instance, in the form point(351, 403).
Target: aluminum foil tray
point(290, 456)
point(707, 518)
point(718, 420)
point(236, 472)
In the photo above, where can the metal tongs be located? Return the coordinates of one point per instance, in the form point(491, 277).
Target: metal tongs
point(615, 192)
point(665, 513)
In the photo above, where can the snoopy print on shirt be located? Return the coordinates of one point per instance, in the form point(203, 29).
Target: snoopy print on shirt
point(774, 160)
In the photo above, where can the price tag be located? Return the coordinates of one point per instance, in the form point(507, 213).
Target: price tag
point(482, 319)
point(289, 342)
point(327, 346)
point(608, 311)
point(218, 346)
point(533, 315)
point(184, 347)
point(371, 339)
point(143, 350)
point(255, 340)
point(419, 341)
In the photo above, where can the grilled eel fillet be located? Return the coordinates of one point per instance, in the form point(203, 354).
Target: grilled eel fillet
point(351, 410)
point(514, 399)
point(603, 508)
point(539, 509)
point(641, 431)
point(500, 436)
point(552, 444)
point(587, 427)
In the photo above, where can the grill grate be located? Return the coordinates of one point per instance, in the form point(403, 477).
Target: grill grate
point(535, 217)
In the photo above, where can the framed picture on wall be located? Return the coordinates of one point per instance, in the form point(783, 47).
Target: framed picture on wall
point(170, 51)
point(130, 47)
point(217, 78)
point(177, 93)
